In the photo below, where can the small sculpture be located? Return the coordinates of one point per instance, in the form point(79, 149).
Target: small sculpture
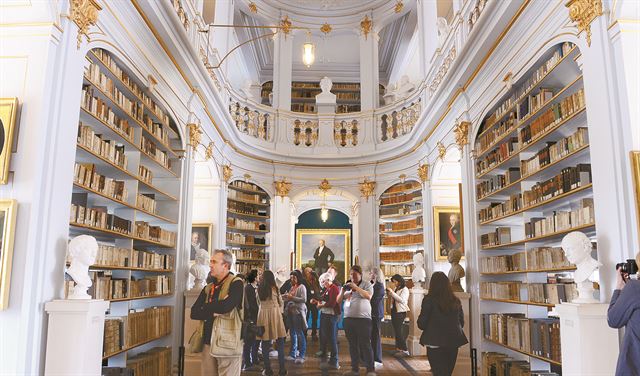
point(83, 250)
point(443, 30)
point(282, 274)
point(419, 275)
point(199, 270)
point(577, 248)
point(457, 271)
point(326, 96)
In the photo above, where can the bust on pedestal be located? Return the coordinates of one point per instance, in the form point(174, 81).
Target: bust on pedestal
point(457, 271)
point(577, 247)
point(83, 250)
point(200, 270)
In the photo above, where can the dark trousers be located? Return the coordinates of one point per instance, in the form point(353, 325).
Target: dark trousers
point(312, 310)
point(329, 336)
point(358, 333)
point(266, 347)
point(376, 343)
point(397, 320)
point(250, 351)
point(442, 360)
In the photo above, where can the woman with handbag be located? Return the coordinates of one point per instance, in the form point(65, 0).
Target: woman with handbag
point(270, 326)
point(441, 320)
point(250, 350)
point(296, 309)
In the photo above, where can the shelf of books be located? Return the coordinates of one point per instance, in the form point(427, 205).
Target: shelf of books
point(248, 218)
point(533, 186)
point(125, 189)
point(401, 234)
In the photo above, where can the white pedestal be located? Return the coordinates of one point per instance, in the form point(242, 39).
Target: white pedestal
point(589, 346)
point(74, 337)
point(415, 304)
point(463, 364)
point(192, 362)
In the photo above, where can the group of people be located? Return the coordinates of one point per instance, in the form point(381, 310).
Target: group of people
point(269, 311)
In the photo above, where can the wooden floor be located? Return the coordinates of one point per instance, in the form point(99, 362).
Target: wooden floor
point(391, 364)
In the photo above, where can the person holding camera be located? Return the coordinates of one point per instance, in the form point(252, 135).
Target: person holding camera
point(330, 314)
point(624, 311)
point(356, 295)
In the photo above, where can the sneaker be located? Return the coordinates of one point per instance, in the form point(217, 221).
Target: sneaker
point(289, 357)
point(273, 354)
point(378, 364)
point(299, 361)
point(405, 353)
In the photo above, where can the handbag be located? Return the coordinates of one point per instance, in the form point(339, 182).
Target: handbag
point(196, 341)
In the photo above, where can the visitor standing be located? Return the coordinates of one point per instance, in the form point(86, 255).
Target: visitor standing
point(329, 316)
point(270, 320)
point(250, 350)
point(296, 311)
point(399, 308)
point(377, 314)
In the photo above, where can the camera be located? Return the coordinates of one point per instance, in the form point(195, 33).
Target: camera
point(630, 267)
point(347, 286)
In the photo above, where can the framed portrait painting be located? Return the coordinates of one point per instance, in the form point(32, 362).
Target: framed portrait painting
point(8, 210)
point(8, 116)
point(448, 233)
point(201, 234)
point(320, 249)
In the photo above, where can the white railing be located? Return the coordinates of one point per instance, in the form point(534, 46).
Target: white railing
point(345, 133)
point(251, 121)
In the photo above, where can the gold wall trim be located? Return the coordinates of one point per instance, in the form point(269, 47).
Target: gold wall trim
point(7, 228)
point(635, 171)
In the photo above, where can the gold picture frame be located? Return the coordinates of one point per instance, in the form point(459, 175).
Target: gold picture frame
point(8, 211)
point(635, 171)
point(441, 227)
point(307, 240)
point(8, 116)
point(202, 229)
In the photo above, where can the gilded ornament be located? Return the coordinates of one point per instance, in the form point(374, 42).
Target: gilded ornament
point(253, 7)
point(285, 25)
point(246, 177)
point(208, 151)
point(227, 172)
point(423, 172)
point(84, 13)
point(282, 188)
point(583, 12)
point(325, 186)
point(195, 135)
point(366, 188)
point(402, 177)
point(326, 28)
point(461, 132)
point(399, 6)
point(365, 26)
point(442, 150)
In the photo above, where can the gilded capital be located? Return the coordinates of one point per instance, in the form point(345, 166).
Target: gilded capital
point(253, 7)
point(227, 172)
point(325, 186)
point(423, 172)
point(399, 6)
point(442, 150)
point(365, 26)
point(583, 12)
point(461, 132)
point(84, 13)
point(208, 151)
point(367, 188)
point(195, 135)
point(282, 188)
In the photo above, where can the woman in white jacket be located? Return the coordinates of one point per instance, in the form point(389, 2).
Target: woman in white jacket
point(399, 309)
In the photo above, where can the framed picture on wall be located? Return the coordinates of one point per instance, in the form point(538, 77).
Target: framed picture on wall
point(201, 234)
point(447, 231)
point(8, 116)
point(320, 249)
point(8, 210)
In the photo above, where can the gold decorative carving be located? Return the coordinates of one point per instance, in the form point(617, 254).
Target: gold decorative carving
point(461, 132)
point(195, 135)
point(246, 177)
point(326, 28)
point(365, 26)
point(399, 6)
point(208, 151)
point(227, 172)
point(366, 188)
point(8, 125)
point(282, 188)
point(325, 186)
point(635, 171)
point(285, 25)
point(442, 150)
point(402, 177)
point(442, 71)
point(84, 13)
point(253, 7)
point(583, 12)
point(423, 172)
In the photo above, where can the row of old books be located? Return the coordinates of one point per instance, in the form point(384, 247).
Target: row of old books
point(156, 110)
point(397, 256)
point(108, 149)
point(533, 103)
point(249, 254)
point(245, 224)
point(245, 208)
point(401, 198)
point(99, 108)
point(501, 235)
point(243, 185)
point(493, 134)
point(554, 115)
point(155, 233)
point(152, 260)
point(540, 258)
point(500, 154)
point(155, 362)
point(146, 202)
point(238, 195)
point(401, 240)
point(113, 340)
point(108, 86)
point(308, 108)
point(245, 267)
point(409, 224)
point(567, 180)
point(495, 183)
point(389, 269)
point(145, 174)
point(540, 337)
point(149, 148)
point(85, 174)
point(244, 239)
point(498, 364)
point(103, 286)
point(403, 187)
point(147, 324)
point(150, 286)
point(98, 217)
point(544, 293)
point(555, 150)
point(402, 209)
point(112, 256)
point(157, 129)
point(559, 220)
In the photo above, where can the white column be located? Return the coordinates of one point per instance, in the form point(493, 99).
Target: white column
point(427, 228)
point(428, 32)
point(220, 240)
point(281, 239)
point(282, 67)
point(369, 71)
point(415, 304)
point(367, 232)
point(223, 15)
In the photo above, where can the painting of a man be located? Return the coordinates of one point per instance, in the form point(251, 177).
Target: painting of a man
point(448, 232)
point(323, 257)
point(322, 249)
point(200, 237)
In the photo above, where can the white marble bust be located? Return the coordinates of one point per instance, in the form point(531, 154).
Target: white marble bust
point(326, 96)
point(199, 270)
point(577, 248)
point(83, 250)
point(282, 274)
point(419, 275)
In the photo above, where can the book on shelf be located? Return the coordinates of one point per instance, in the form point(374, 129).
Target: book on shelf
point(400, 198)
point(554, 151)
point(247, 266)
point(99, 108)
point(533, 103)
point(402, 209)
point(107, 149)
point(582, 215)
point(539, 258)
point(145, 174)
point(104, 286)
point(146, 202)
point(543, 293)
point(85, 175)
point(487, 139)
point(113, 340)
point(390, 269)
point(96, 216)
point(146, 324)
point(401, 188)
point(503, 152)
point(251, 197)
point(149, 148)
point(246, 186)
point(107, 85)
point(154, 233)
point(155, 362)
point(498, 364)
point(409, 224)
point(400, 240)
point(244, 238)
point(238, 223)
point(152, 260)
point(109, 255)
point(492, 184)
point(249, 254)
point(150, 286)
point(246, 208)
point(156, 129)
point(399, 256)
point(501, 235)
